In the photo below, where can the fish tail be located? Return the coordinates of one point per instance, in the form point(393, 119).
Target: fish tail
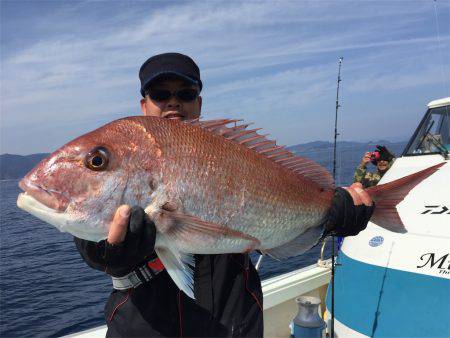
point(387, 196)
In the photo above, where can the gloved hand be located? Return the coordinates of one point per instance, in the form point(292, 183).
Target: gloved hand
point(384, 153)
point(119, 259)
point(350, 212)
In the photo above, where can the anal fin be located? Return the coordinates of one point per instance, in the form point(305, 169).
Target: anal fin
point(179, 265)
point(298, 245)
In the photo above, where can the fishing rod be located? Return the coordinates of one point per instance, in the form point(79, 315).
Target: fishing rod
point(334, 179)
point(336, 116)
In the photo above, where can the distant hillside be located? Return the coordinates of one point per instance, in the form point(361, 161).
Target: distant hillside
point(349, 154)
point(16, 166)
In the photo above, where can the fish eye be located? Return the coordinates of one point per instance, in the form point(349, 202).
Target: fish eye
point(97, 159)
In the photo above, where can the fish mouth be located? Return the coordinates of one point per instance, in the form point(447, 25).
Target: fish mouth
point(61, 220)
point(49, 198)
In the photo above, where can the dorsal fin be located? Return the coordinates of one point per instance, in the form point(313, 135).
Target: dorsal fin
point(268, 148)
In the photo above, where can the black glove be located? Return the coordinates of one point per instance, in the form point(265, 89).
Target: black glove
point(120, 259)
point(345, 218)
point(385, 154)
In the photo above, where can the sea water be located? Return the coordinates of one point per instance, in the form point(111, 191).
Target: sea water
point(47, 290)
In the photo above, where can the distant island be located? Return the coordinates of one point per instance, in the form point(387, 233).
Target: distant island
point(16, 166)
point(349, 154)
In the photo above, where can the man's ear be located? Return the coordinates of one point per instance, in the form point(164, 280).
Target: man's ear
point(199, 104)
point(143, 109)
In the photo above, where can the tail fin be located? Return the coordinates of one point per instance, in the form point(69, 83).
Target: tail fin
point(388, 195)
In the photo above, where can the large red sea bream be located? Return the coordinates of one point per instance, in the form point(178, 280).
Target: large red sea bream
point(209, 188)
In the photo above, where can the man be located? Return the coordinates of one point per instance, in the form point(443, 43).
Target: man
point(381, 158)
point(227, 288)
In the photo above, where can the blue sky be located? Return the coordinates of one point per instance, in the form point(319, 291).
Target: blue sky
point(68, 67)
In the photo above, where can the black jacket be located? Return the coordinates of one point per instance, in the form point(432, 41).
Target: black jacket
point(228, 301)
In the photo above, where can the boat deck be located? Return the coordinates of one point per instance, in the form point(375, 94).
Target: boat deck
point(280, 293)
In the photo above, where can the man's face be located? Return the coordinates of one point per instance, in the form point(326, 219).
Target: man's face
point(382, 165)
point(173, 107)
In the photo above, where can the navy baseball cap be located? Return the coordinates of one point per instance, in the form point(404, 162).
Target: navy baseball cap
point(169, 65)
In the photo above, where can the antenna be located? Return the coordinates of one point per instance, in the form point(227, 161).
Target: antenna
point(446, 84)
point(334, 178)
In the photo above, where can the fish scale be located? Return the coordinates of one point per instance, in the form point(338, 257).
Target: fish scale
point(258, 194)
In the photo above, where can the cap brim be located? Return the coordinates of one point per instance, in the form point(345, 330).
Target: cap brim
point(162, 75)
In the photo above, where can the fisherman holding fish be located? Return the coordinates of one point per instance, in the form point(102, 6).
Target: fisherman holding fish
point(228, 289)
point(211, 194)
point(228, 296)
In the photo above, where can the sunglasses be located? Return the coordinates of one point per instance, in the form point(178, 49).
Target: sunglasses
point(161, 95)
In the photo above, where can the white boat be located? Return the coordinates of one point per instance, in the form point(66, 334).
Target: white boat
point(398, 285)
point(386, 284)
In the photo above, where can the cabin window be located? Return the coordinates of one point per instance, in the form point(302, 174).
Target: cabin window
point(433, 134)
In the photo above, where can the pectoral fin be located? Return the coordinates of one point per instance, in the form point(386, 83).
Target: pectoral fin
point(188, 226)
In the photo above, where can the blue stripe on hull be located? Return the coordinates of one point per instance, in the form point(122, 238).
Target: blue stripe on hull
point(383, 302)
